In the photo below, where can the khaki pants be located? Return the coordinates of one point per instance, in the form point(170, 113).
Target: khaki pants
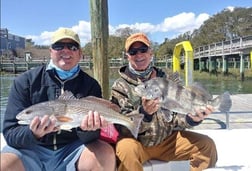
point(181, 145)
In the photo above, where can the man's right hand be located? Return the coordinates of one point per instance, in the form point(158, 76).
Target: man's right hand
point(150, 106)
point(43, 126)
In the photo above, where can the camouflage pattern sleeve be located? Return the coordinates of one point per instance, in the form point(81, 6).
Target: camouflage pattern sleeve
point(183, 121)
point(121, 94)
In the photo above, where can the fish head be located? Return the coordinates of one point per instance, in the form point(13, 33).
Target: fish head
point(26, 115)
point(150, 89)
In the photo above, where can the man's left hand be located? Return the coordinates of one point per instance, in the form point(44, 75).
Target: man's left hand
point(93, 121)
point(201, 114)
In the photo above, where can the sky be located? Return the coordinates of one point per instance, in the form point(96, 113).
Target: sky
point(159, 19)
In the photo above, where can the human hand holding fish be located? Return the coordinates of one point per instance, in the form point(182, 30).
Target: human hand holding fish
point(150, 106)
point(201, 114)
point(175, 97)
point(70, 112)
point(42, 126)
point(93, 121)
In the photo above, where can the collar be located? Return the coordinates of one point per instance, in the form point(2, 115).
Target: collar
point(143, 75)
point(63, 74)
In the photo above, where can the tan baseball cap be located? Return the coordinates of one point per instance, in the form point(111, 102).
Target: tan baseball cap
point(137, 37)
point(64, 33)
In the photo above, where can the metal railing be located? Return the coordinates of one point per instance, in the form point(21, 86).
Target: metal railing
point(234, 46)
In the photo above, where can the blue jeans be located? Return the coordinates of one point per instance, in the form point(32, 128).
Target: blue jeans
point(40, 158)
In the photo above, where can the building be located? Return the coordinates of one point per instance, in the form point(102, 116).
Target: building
point(10, 42)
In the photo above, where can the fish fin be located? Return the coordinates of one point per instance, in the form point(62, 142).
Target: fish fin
point(167, 114)
point(66, 127)
point(63, 119)
point(134, 127)
point(104, 102)
point(200, 90)
point(63, 122)
point(67, 95)
point(223, 102)
point(175, 77)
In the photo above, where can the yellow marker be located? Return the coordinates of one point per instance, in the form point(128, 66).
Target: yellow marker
point(251, 59)
point(186, 45)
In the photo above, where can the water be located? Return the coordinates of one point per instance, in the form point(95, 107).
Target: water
point(6, 82)
point(214, 86)
point(233, 86)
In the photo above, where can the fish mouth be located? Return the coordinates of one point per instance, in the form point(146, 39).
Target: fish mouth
point(24, 122)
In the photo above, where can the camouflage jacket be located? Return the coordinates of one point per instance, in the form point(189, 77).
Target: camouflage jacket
point(152, 130)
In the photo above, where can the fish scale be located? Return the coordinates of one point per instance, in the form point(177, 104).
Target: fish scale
point(175, 97)
point(69, 112)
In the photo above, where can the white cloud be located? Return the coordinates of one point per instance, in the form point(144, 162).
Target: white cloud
point(182, 23)
point(200, 19)
point(145, 27)
point(42, 39)
point(177, 24)
point(230, 8)
point(83, 29)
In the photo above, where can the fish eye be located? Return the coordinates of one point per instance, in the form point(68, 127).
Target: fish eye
point(28, 112)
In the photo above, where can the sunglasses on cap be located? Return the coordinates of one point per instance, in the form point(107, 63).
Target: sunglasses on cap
point(142, 49)
point(61, 45)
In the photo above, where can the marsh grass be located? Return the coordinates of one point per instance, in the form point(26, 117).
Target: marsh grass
point(233, 74)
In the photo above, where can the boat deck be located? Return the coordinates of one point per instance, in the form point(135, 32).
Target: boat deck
point(231, 133)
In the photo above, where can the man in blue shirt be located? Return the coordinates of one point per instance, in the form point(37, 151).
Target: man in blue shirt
point(41, 145)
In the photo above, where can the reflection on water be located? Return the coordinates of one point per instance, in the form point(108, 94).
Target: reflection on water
point(214, 86)
point(6, 82)
point(233, 86)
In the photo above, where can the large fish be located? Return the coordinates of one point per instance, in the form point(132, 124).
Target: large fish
point(175, 97)
point(69, 111)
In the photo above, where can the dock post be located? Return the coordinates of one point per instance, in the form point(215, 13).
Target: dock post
point(227, 120)
point(251, 59)
point(99, 39)
point(224, 65)
point(242, 67)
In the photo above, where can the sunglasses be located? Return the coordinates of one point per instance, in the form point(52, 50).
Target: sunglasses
point(60, 46)
point(142, 49)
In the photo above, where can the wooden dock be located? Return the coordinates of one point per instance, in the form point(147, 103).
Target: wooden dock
point(239, 117)
point(21, 66)
point(16, 66)
point(235, 138)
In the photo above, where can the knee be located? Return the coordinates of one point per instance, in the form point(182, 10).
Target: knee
point(109, 152)
point(209, 143)
point(210, 151)
point(97, 156)
point(127, 145)
point(208, 147)
point(10, 161)
point(105, 157)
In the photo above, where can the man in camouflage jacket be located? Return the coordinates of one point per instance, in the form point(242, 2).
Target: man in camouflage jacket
point(158, 137)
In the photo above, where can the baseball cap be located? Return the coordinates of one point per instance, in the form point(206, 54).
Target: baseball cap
point(137, 37)
point(64, 33)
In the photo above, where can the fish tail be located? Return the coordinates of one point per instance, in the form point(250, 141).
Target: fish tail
point(224, 102)
point(134, 128)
